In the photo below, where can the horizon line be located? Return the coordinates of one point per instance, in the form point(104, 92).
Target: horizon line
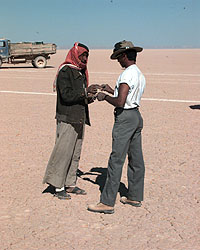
point(148, 47)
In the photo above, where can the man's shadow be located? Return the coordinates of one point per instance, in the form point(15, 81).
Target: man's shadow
point(100, 180)
point(50, 189)
point(195, 106)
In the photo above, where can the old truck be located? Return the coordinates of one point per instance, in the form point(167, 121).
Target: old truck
point(36, 53)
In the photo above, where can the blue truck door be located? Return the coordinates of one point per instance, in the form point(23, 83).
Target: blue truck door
point(3, 48)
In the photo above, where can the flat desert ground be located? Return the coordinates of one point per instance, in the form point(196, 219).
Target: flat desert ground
point(32, 219)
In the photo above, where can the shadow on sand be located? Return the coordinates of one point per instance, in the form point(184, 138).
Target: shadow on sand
point(50, 189)
point(101, 174)
point(195, 106)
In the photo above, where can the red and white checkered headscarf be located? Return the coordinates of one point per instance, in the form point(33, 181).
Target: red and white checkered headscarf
point(73, 61)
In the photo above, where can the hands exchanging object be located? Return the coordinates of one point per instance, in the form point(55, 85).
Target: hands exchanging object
point(107, 88)
point(101, 96)
point(94, 91)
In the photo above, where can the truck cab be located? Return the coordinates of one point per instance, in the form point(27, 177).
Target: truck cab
point(4, 51)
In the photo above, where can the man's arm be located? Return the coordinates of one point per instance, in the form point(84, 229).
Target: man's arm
point(118, 101)
point(68, 92)
point(107, 88)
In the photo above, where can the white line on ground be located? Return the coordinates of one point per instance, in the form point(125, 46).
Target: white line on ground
point(26, 70)
point(25, 77)
point(168, 100)
point(94, 72)
point(152, 81)
point(162, 74)
point(144, 99)
point(26, 93)
point(149, 74)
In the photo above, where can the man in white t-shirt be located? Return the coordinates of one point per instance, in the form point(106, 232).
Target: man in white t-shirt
point(126, 134)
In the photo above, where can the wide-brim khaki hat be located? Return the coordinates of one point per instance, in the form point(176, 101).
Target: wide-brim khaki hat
point(122, 46)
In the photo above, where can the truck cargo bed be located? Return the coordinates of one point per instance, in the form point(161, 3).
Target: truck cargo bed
point(28, 48)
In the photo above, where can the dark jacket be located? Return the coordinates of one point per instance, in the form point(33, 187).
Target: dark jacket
point(71, 105)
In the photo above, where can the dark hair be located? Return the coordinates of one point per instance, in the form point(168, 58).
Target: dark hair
point(131, 54)
point(83, 46)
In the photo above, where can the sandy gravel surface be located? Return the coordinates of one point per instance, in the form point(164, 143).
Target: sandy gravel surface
point(32, 219)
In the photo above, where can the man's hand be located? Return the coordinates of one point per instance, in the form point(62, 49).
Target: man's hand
point(93, 88)
point(91, 98)
point(107, 88)
point(101, 96)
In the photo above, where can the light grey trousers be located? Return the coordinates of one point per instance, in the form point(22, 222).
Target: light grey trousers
point(126, 137)
point(63, 163)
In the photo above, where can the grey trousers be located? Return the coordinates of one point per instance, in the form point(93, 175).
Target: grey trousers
point(126, 139)
point(63, 163)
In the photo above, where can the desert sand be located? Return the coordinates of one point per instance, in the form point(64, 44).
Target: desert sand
point(32, 219)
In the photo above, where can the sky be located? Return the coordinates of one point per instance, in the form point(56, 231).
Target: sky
point(101, 23)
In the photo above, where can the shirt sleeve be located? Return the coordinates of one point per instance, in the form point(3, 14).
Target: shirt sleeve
point(128, 77)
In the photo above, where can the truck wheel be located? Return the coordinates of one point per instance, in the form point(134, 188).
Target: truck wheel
point(0, 62)
point(40, 62)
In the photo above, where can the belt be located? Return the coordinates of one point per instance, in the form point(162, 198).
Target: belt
point(131, 108)
point(120, 108)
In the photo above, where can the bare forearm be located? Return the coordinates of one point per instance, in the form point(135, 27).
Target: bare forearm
point(115, 101)
point(118, 101)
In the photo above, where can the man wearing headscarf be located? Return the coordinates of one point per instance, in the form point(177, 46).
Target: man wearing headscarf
point(73, 96)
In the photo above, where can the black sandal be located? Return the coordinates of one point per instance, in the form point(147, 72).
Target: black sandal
point(75, 190)
point(62, 195)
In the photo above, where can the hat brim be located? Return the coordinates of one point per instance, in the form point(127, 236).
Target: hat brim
point(117, 53)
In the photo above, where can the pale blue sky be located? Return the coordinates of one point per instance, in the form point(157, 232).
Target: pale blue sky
point(102, 23)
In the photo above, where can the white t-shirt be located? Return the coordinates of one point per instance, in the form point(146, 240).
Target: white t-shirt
point(136, 82)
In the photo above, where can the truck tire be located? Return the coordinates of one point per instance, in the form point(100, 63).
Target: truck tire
point(39, 62)
point(0, 62)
